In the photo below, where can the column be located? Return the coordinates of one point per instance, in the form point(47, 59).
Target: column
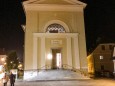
point(35, 53)
point(43, 52)
point(69, 54)
point(76, 53)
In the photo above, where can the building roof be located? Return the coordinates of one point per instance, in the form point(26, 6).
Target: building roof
point(53, 5)
point(107, 44)
point(98, 49)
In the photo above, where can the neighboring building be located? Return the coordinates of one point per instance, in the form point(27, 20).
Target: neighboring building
point(2, 61)
point(100, 61)
point(2, 56)
point(54, 36)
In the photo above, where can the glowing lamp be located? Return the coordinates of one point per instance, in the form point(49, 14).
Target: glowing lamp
point(49, 56)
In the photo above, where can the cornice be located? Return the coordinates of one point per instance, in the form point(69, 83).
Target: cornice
point(55, 35)
point(54, 7)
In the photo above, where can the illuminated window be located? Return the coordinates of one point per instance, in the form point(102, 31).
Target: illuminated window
point(55, 28)
point(101, 57)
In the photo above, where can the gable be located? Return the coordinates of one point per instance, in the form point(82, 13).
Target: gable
point(54, 5)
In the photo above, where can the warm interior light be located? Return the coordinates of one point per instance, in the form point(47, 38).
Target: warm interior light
point(2, 59)
point(49, 56)
point(58, 59)
point(20, 65)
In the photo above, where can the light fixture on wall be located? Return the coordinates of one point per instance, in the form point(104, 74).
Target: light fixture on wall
point(49, 56)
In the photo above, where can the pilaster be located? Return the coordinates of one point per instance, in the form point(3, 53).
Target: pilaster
point(76, 52)
point(69, 54)
point(43, 52)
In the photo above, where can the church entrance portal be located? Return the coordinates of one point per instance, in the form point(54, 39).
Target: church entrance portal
point(57, 59)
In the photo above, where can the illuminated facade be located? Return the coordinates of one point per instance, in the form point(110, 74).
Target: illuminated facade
point(54, 35)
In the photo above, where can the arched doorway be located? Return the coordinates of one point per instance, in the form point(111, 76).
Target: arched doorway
point(56, 52)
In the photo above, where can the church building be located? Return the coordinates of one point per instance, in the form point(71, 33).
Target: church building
point(54, 36)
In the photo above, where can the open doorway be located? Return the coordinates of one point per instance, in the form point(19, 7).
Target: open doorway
point(57, 58)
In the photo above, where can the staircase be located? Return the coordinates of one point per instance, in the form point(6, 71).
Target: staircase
point(57, 74)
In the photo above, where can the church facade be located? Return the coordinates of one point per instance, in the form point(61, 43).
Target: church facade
point(54, 36)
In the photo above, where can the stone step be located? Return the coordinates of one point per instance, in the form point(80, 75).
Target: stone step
point(57, 74)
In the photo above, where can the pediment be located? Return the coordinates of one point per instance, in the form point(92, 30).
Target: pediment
point(58, 2)
point(54, 5)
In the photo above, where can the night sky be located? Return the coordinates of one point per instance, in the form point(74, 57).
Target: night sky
point(11, 33)
point(99, 22)
point(99, 18)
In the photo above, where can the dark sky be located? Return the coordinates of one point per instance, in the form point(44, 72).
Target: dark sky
point(99, 23)
point(11, 18)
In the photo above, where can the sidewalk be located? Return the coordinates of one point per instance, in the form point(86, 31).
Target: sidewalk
point(89, 82)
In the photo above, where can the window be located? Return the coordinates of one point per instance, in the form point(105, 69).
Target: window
point(101, 57)
point(102, 67)
point(103, 47)
point(55, 28)
point(110, 47)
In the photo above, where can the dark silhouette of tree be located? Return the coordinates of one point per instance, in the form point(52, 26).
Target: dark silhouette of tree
point(12, 61)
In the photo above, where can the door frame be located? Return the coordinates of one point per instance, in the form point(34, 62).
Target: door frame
point(59, 48)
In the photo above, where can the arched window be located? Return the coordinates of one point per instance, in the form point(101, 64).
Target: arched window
point(55, 28)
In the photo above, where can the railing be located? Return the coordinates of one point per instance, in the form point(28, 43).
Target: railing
point(41, 68)
point(81, 71)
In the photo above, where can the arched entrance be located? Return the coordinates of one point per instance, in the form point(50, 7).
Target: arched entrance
point(56, 52)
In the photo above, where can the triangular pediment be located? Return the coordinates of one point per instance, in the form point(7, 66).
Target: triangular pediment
point(59, 2)
point(54, 5)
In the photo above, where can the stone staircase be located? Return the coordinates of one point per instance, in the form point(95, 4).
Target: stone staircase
point(57, 74)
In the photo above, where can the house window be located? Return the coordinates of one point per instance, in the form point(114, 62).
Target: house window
point(55, 28)
point(101, 57)
point(103, 47)
point(110, 47)
point(102, 67)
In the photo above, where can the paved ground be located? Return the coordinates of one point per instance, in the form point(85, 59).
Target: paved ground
point(89, 82)
point(63, 78)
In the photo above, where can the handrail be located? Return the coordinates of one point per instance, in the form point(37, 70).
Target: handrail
point(76, 70)
point(45, 66)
